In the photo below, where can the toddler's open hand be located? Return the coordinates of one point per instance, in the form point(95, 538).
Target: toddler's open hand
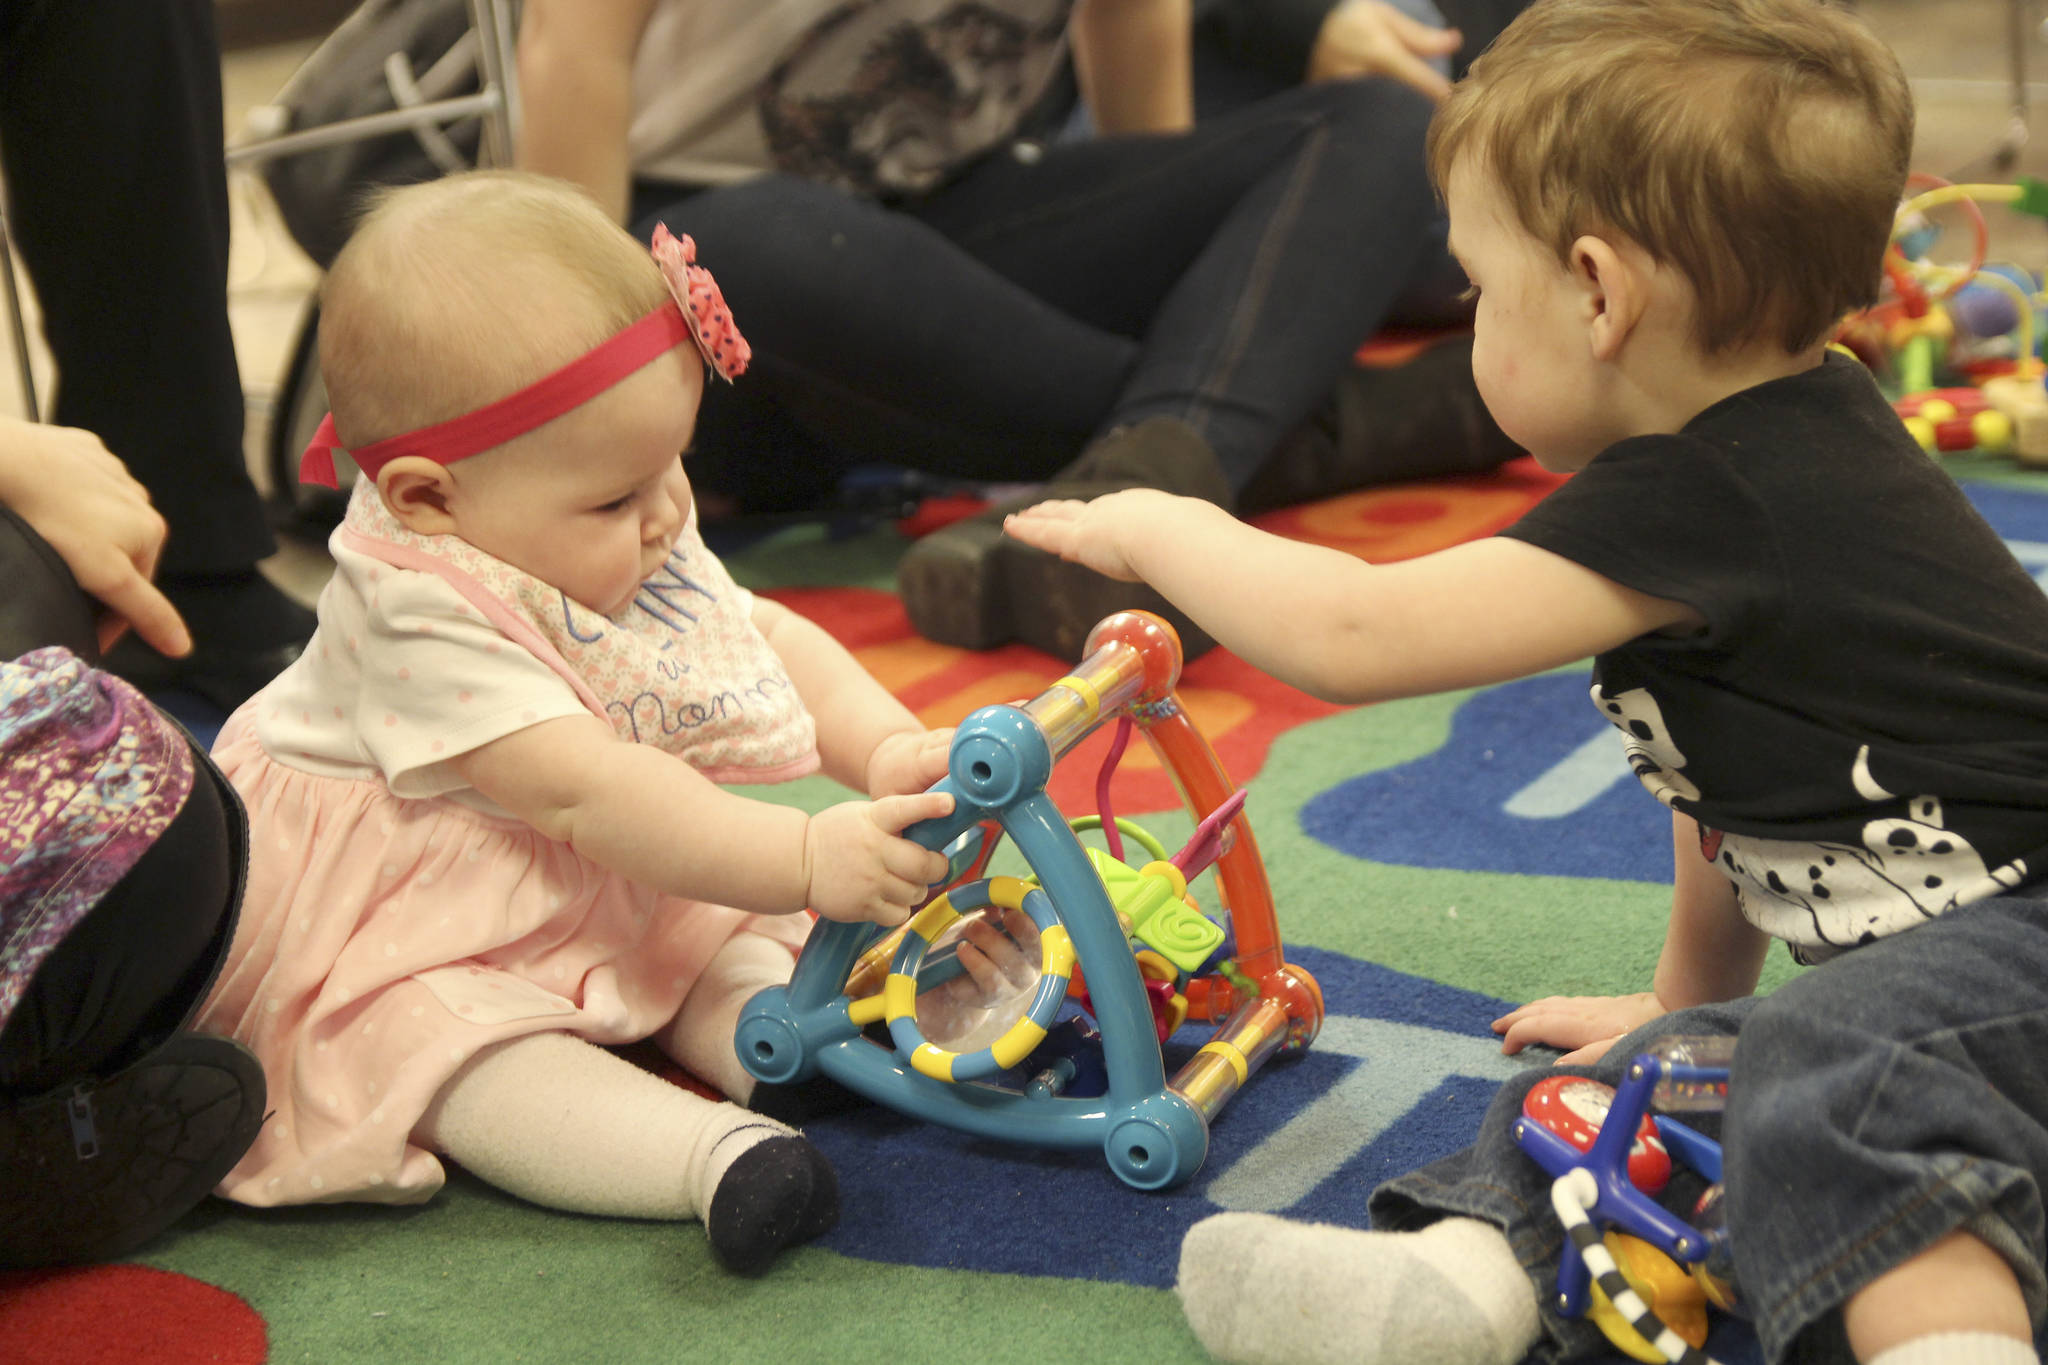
point(1585, 1025)
point(1089, 533)
point(1000, 954)
point(908, 761)
point(861, 868)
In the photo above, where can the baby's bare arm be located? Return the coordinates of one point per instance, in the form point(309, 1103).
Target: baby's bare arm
point(1711, 950)
point(650, 816)
point(866, 738)
point(1711, 953)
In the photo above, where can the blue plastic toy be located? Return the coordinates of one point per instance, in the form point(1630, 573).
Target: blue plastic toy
point(1610, 1156)
point(1153, 1132)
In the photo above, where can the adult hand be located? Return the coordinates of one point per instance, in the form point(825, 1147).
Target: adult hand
point(1370, 38)
point(859, 867)
point(1587, 1025)
point(77, 496)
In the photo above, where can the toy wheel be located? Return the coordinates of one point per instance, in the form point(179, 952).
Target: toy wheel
point(899, 991)
point(1160, 1142)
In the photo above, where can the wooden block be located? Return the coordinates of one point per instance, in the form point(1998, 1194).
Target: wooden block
point(2026, 402)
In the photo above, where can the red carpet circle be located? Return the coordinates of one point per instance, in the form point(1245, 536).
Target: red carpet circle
point(118, 1314)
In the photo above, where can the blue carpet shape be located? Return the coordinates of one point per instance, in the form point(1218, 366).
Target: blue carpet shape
point(1401, 1074)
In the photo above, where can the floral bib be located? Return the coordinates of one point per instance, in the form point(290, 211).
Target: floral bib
point(682, 668)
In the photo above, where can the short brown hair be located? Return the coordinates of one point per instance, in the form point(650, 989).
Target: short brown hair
point(454, 293)
point(1759, 146)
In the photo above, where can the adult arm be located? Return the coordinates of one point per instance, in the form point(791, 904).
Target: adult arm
point(1134, 59)
point(1342, 629)
point(78, 497)
point(1320, 40)
point(576, 92)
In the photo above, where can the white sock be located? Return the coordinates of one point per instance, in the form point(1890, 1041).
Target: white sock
point(1260, 1290)
point(561, 1122)
point(700, 1039)
point(1960, 1348)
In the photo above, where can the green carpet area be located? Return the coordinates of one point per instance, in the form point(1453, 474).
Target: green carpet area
point(478, 1276)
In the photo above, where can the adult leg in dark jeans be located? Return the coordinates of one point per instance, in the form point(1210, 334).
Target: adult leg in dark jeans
point(1249, 258)
point(110, 142)
point(1205, 290)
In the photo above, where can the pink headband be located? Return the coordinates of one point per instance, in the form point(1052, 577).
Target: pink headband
point(709, 324)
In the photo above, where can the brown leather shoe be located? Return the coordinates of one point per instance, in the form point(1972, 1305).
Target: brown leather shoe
point(971, 586)
point(1422, 419)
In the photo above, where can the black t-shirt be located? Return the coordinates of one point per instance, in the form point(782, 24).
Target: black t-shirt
point(1861, 729)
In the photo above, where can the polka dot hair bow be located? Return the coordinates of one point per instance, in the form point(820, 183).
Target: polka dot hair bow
point(724, 349)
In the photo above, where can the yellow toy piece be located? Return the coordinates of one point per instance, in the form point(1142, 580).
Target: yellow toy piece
point(1671, 1292)
point(1993, 430)
point(1718, 1291)
point(1153, 967)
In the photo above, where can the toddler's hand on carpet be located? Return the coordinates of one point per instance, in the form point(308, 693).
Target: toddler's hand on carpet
point(908, 761)
point(1585, 1026)
point(1087, 533)
point(858, 865)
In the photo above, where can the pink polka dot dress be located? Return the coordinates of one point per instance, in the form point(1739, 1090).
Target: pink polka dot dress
point(395, 921)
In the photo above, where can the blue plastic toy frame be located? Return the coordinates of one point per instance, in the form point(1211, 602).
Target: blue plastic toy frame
point(1151, 1134)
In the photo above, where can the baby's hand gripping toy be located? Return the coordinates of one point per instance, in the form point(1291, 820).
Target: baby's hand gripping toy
point(1121, 950)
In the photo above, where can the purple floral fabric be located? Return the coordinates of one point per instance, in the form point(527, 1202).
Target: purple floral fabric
point(90, 775)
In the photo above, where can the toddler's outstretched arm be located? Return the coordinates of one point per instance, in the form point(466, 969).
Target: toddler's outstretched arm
point(654, 818)
point(1342, 629)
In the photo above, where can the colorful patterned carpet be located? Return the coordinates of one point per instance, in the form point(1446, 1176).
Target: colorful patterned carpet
point(1431, 859)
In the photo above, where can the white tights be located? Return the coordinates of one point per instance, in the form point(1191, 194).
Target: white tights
point(564, 1123)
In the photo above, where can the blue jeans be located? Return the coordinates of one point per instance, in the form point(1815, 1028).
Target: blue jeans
point(1877, 1103)
point(989, 328)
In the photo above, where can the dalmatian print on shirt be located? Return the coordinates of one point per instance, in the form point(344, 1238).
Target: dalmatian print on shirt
point(1821, 897)
point(1824, 897)
point(1646, 741)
